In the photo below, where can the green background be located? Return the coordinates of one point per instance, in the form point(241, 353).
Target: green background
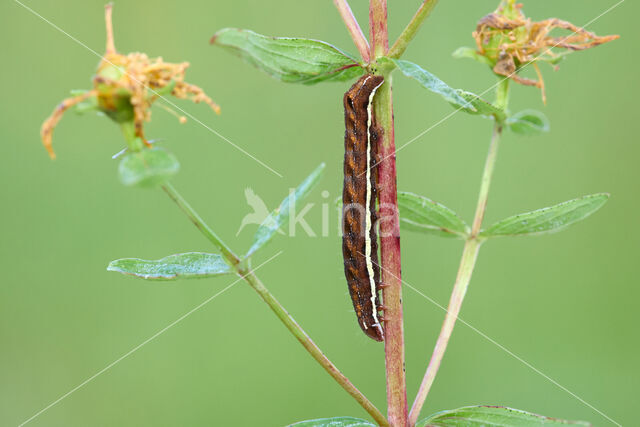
point(565, 303)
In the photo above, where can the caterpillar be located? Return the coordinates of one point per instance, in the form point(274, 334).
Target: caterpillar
point(359, 236)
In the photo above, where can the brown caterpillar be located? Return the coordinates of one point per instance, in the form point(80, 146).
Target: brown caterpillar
point(359, 237)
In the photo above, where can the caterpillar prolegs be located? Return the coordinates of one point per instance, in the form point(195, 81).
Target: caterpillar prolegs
point(359, 236)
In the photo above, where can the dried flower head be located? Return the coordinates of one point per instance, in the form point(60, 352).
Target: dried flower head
point(125, 87)
point(510, 41)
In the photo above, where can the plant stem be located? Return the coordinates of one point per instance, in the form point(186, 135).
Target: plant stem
point(249, 276)
point(485, 184)
point(467, 263)
point(185, 207)
point(411, 29)
point(390, 264)
point(378, 33)
point(354, 28)
point(469, 256)
point(389, 225)
point(313, 349)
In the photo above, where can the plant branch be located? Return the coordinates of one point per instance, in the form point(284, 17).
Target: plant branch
point(467, 264)
point(412, 28)
point(193, 216)
point(249, 276)
point(485, 184)
point(354, 28)
point(313, 349)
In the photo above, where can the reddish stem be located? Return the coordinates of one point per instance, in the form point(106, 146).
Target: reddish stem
point(378, 33)
point(389, 229)
point(354, 28)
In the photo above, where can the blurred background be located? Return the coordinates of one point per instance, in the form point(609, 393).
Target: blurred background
point(565, 303)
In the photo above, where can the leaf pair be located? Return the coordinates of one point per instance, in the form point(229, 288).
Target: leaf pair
point(528, 122)
point(466, 101)
point(195, 265)
point(470, 416)
point(418, 213)
point(297, 60)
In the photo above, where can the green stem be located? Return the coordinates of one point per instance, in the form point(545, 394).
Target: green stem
point(249, 276)
point(412, 28)
point(485, 184)
point(193, 216)
point(502, 93)
point(467, 264)
point(129, 131)
point(469, 256)
point(312, 348)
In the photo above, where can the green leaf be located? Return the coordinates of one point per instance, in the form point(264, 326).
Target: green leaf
point(291, 60)
point(528, 122)
point(432, 83)
point(192, 265)
point(335, 422)
point(150, 167)
point(467, 101)
point(468, 52)
point(280, 216)
point(481, 107)
point(491, 416)
point(418, 213)
point(547, 220)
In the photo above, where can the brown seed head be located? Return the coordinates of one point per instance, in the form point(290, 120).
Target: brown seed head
point(511, 41)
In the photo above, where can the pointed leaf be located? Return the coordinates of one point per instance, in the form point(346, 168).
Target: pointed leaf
point(334, 422)
point(547, 220)
point(492, 416)
point(280, 216)
point(468, 52)
point(418, 213)
point(291, 60)
point(192, 265)
point(528, 122)
point(150, 167)
point(432, 83)
point(481, 107)
point(466, 101)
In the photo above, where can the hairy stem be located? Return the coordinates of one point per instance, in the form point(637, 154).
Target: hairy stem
point(467, 264)
point(354, 28)
point(249, 276)
point(411, 29)
point(389, 226)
